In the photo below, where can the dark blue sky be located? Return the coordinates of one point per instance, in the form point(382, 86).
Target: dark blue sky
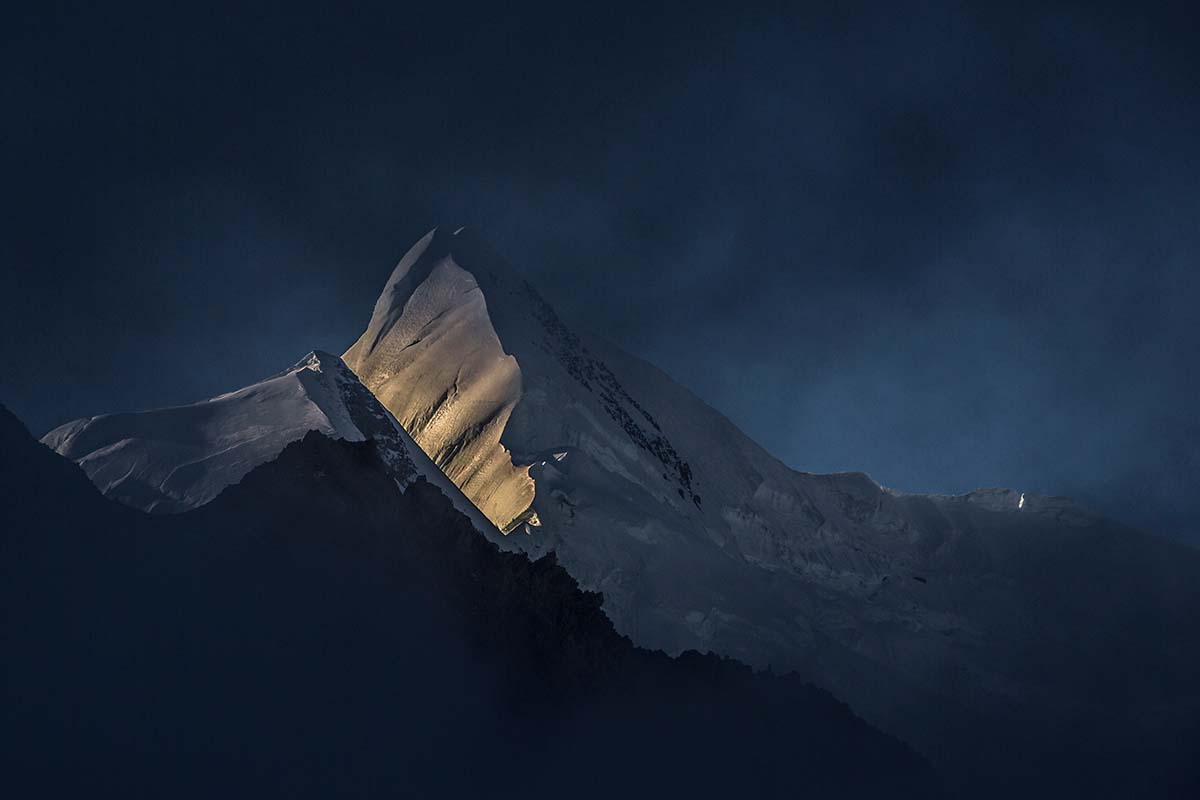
point(950, 246)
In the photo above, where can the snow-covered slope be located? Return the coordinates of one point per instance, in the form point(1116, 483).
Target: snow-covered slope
point(430, 353)
point(173, 459)
point(914, 609)
point(966, 625)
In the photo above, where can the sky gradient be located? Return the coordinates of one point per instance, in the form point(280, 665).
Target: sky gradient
point(948, 247)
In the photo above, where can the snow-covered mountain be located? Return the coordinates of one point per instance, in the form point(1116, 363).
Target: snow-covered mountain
point(926, 613)
point(973, 626)
point(173, 459)
point(314, 632)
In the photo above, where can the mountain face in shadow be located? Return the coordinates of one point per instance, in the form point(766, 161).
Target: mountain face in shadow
point(317, 631)
point(1018, 641)
point(1005, 634)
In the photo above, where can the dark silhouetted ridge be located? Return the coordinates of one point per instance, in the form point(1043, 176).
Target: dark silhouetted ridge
point(314, 631)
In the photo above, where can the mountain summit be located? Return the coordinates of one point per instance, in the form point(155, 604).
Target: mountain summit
point(458, 345)
point(1008, 635)
point(430, 351)
point(927, 613)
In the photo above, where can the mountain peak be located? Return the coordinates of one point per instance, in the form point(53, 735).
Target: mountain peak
point(320, 358)
point(432, 352)
point(696, 537)
point(317, 361)
point(454, 346)
point(410, 272)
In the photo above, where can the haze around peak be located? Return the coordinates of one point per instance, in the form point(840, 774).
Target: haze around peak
point(969, 267)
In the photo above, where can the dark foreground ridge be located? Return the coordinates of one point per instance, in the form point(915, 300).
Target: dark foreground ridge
point(316, 632)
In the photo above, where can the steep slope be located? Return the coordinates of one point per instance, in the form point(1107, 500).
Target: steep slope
point(431, 352)
point(315, 631)
point(1012, 637)
point(952, 621)
point(487, 379)
point(173, 459)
